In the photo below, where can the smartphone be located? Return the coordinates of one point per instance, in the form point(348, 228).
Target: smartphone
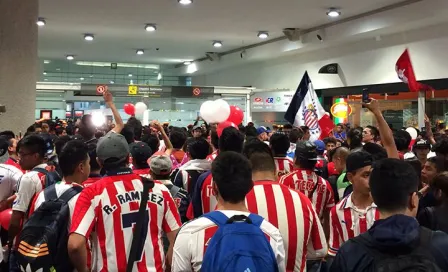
point(365, 95)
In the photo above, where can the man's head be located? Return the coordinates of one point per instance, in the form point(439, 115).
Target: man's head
point(160, 167)
point(231, 140)
point(140, 152)
point(358, 166)
point(136, 126)
point(31, 150)
point(306, 133)
point(60, 142)
point(287, 129)
point(128, 133)
point(260, 156)
point(74, 161)
point(421, 149)
point(198, 149)
point(295, 135)
point(370, 134)
point(279, 144)
point(441, 148)
point(430, 169)
point(339, 128)
point(402, 140)
point(306, 155)
point(197, 132)
point(94, 166)
point(11, 138)
point(354, 138)
point(262, 134)
point(152, 141)
point(394, 187)
point(112, 151)
point(178, 138)
point(330, 143)
point(340, 158)
point(86, 127)
point(232, 177)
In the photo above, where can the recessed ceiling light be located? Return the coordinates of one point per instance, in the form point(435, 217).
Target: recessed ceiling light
point(70, 57)
point(46, 61)
point(130, 75)
point(46, 79)
point(88, 37)
point(188, 62)
point(44, 73)
point(58, 69)
point(332, 12)
point(111, 82)
point(41, 22)
point(217, 43)
point(140, 52)
point(185, 2)
point(263, 35)
point(81, 78)
point(150, 27)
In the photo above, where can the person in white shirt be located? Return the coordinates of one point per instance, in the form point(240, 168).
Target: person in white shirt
point(9, 178)
point(232, 181)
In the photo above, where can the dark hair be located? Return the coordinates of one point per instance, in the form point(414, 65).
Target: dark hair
point(242, 128)
point(128, 133)
point(178, 138)
point(59, 130)
point(378, 152)
point(34, 143)
point(340, 125)
point(251, 131)
point(198, 148)
point(153, 142)
point(440, 163)
point(287, 126)
point(305, 129)
point(279, 144)
point(375, 132)
point(417, 166)
point(72, 154)
point(232, 175)
point(214, 139)
point(402, 140)
point(8, 135)
point(441, 147)
point(329, 140)
point(260, 155)
point(94, 166)
point(355, 136)
point(86, 127)
point(136, 126)
point(440, 182)
point(231, 140)
point(60, 142)
point(392, 181)
point(295, 135)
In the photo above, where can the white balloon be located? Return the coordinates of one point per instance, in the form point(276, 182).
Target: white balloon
point(207, 111)
point(413, 132)
point(222, 111)
point(140, 108)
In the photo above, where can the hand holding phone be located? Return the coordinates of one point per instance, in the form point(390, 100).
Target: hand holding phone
point(365, 95)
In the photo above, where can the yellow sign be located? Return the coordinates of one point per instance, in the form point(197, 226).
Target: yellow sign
point(132, 90)
point(341, 110)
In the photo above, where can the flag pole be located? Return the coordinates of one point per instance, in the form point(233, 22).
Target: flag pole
point(421, 108)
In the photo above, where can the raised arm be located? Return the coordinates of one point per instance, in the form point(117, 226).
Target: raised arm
point(166, 139)
point(387, 137)
point(108, 98)
point(429, 133)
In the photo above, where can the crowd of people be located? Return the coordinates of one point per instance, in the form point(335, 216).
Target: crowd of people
point(127, 197)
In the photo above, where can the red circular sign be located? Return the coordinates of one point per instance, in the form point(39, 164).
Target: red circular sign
point(100, 89)
point(196, 91)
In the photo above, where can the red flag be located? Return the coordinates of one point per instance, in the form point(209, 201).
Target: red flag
point(405, 73)
point(326, 126)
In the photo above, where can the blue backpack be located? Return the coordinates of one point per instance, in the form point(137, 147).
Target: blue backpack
point(238, 245)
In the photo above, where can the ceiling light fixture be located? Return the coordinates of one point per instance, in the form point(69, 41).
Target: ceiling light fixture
point(81, 78)
point(140, 52)
point(46, 61)
point(88, 37)
point(111, 82)
point(159, 76)
point(41, 22)
point(187, 62)
point(333, 13)
point(130, 75)
point(150, 27)
point(70, 57)
point(185, 2)
point(44, 73)
point(263, 35)
point(217, 43)
point(46, 79)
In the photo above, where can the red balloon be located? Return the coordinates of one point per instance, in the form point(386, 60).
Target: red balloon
point(236, 115)
point(223, 125)
point(129, 108)
point(5, 217)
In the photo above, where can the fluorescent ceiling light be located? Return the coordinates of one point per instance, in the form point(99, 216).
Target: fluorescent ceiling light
point(333, 13)
point(129, 75)
point(187, 62)
point(185, 2)
point(140, 52)
point(70, 57)
point(41, 22)
point(46, 61)
point(150, 27)
point(217, 44)
point(263, 35)
point(88, 37)
point(125, 65)
point(44, 73)
point(81, 78)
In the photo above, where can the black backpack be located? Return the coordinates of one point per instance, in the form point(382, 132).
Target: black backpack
point(50, 177)
point(176, 179)
point(43, 240)
point(417, 260)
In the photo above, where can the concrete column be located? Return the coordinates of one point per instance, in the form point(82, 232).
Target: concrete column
point(18, 63)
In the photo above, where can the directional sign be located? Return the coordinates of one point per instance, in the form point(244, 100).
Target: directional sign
point(132, 90)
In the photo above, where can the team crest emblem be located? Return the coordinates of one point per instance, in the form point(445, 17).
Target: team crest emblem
point(309, 115)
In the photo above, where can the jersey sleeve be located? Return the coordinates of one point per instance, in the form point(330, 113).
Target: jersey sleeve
point(278, 248)
point(330, 195)
point(182, 251)
point(171, 219)
point(84, 215)
point(335, 236)
point(35, 204)
point(317, 244)
point(15, 178)
point(25, 193)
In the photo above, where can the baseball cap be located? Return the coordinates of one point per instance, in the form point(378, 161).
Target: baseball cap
point(140, 152)
point(320, 145)
point(261, 130)
point(306, 150)
point(161, 165)
point(112, 146)
point(422, 144)
point(49, 146)
point(197, 127)
point(357, 160)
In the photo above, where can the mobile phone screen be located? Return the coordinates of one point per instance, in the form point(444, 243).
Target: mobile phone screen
point(365, 95)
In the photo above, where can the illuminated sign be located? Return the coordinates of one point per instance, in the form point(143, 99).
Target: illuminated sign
point(341, 110)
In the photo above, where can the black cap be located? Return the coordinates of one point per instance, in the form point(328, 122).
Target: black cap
point(423, 144)
point(306, 150)
point(140, 152)
point(357, 160)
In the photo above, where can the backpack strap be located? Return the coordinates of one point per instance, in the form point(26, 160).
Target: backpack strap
point(147, 185)
point(174, 190)
point(256, 219)
point(70, 193)
point(41, 170)
point(217, 217)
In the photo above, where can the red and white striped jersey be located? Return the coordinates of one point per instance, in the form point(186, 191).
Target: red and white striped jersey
point(283, 165)
point(213, 156)
point(30, 184)
point(293, 214)
point(347, 221)
point(194, 237)
point(110, 207)
point(310, 184)
point(208, 199)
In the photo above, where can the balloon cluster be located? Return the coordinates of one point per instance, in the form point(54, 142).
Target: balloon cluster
point(138, 109)
point(219, 111)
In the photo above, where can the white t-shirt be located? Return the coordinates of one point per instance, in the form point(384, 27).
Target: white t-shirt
point(193, 238)
point(30, 184)
point(9, 178)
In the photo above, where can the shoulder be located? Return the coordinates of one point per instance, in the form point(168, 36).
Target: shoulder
point(271, 231)
point(196, 225)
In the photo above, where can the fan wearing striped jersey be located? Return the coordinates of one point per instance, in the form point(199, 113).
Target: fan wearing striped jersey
point(279, 144)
